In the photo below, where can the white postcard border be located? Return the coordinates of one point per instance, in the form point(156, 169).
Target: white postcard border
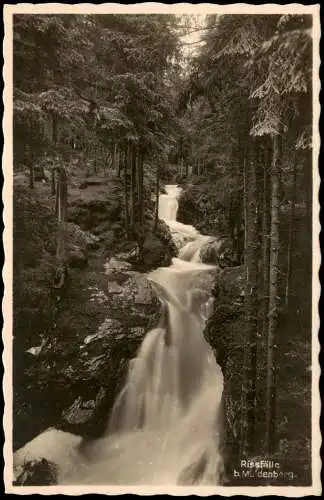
point(7, 161)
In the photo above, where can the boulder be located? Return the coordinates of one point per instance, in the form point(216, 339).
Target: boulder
point(100, 202)
point(84, 412)
point(84, 363)
point(163, 232)
point(218, 252)
point(155, 252)
point(44, 460)
point(229, 287)
point(131, 256)
point(158, 247)
point(37, 472)
point(201, 205)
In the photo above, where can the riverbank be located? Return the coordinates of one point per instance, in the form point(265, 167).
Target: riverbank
point(196, 374)
point(225, 331)
point(71, 346)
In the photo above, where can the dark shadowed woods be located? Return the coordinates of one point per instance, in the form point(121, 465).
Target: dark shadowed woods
point(108, 109)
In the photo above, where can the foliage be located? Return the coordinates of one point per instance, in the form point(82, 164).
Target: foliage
point(247, 107)
point(96, 74)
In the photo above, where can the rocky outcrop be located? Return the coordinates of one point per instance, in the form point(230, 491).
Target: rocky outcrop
point(158, 248)
point(74, 343)
point(154, 252)
point(199, 205)
point(39, 472)
point(96, 203)
point(218, 252)
point(225, 332)
point(98, 208)
point(83, 363)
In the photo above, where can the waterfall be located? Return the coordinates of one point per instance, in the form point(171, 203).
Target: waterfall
point(164, 426)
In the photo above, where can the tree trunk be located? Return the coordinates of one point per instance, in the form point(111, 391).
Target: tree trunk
point(53, 182)
point(95, 165)
point(181, 166)
point(131, 201)
point(266, 240)
point(31, 175)
point(246, 351)
point(126, 190)
point(308, 194)
point(157, 193)
point(251, 300)
point(132, 165)
point(290, 239)
point(141, 189)
point(61, 212)
point(273, 300)
point(119, 161)
point(114, 157)
point(54, 129)
point(138, 176)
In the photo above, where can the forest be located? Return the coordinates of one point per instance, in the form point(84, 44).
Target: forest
point(110, 110)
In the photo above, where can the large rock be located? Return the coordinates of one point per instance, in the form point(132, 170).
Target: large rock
point(37, 472)
point(163, 232)
point(100, 201)
point(85, 412)
point(158, 247)
point(225, 332)
point(84, 363)
point(79, 244)
point(131, 296)
point(218, 252)
point(155, 252)
point(229, 287)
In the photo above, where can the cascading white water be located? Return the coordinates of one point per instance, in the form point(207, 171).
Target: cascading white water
point(164, 427)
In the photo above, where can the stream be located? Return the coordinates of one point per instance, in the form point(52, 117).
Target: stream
point(164, 428)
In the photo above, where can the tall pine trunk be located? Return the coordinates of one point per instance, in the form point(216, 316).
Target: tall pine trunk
point(53, 189)
point(308, 176)
point(138, 176)
point(266, 187)
point(114, 154)
point(141, 189)
point(251, 300)
point(31, 175)
point(61, 212)
point(134, 184)
point(273, 300)
point(119, 161)
point(181, 166)
point(265, 241)
point(290, 239)
point(126, 190)
point(131, 191)
point(157, 194)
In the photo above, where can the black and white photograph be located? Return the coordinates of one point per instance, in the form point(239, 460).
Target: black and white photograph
point(162, 249)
